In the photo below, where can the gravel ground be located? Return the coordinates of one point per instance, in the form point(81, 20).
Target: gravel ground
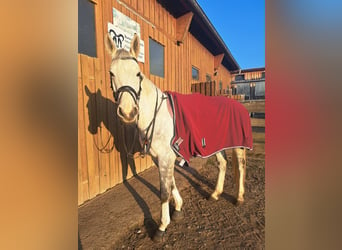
point(112, 222)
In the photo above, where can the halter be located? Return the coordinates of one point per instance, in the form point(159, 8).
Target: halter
point(135, 95)
point(147, 140)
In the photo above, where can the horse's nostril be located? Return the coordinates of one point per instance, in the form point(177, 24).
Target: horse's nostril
point(134, 112)
point(120, 112)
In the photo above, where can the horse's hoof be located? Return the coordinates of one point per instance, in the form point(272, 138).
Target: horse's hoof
point(212, 199)
point(158, 236)
point(239, 202)
point(177, 215)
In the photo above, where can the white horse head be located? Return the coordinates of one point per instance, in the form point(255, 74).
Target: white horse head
point(125, 78)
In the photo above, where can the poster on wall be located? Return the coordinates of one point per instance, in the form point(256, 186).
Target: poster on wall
point(122, 31)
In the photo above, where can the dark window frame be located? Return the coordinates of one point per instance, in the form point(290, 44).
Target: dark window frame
point(87, 28)
point(192, 75)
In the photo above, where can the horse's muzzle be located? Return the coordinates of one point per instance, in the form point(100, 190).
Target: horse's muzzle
point(128, 117)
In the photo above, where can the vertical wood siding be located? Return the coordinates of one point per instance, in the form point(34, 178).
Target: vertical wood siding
point(99, 171)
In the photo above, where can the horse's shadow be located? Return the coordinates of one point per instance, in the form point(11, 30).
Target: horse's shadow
point(196, 175)
point(102, 112)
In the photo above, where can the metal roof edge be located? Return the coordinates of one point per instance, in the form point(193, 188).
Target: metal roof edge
point(248, 70)
point(212, 29)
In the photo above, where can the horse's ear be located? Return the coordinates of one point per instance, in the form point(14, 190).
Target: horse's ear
point(110, 45)
point(135, 46)
point(87, 91)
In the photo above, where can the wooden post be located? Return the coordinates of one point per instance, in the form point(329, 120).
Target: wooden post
point(202, 88)
point(208, 88)
point(213, 88)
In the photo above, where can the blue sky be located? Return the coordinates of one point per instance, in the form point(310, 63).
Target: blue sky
point(241, 24)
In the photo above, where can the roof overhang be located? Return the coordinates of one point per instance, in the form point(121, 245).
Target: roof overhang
point(202, 29)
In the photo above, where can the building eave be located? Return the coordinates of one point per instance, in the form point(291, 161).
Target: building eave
point(202, 29)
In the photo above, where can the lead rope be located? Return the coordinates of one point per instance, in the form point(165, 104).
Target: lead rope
point(103, 149)
point(129, 153)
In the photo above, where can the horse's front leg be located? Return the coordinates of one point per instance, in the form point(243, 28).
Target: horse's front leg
point(166, 170)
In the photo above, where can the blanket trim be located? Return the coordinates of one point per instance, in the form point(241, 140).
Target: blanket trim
point(174, 126)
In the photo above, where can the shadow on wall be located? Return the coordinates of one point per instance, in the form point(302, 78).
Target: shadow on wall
point(79, 242)
point(102, 110)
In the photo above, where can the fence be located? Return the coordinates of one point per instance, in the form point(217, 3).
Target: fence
point(209, 89)
point(204, 88)
point(224, 92)
point(256, 109)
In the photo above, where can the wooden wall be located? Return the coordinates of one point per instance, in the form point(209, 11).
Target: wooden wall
point(201, 58)
point(98, 171)
point(98, 128)
point(225, 76)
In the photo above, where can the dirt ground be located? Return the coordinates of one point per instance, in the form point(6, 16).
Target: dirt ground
point(126, 216)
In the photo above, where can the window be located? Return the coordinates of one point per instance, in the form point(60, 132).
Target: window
point(263, 75)
point(86, 28)
point(207, 78)
point(260, 89)
point(220, 85)
point(195, 73)
point(156, 58)
point(239, 77)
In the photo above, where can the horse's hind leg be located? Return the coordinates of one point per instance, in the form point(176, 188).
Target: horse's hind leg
point(222, 159)
point(239, 165)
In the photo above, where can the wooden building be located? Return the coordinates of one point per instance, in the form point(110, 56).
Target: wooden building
point(180, 47)
point(249, 82)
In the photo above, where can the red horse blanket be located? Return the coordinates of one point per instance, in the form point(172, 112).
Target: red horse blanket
point(205, 125)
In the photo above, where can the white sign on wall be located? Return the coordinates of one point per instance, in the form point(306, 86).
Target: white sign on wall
point(122, 31)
